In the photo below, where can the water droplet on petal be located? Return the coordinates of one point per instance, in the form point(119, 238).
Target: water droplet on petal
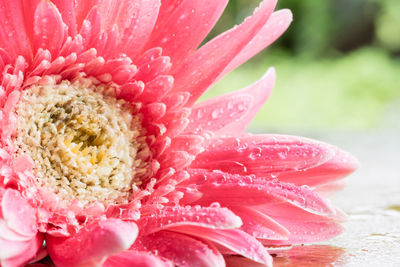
point(215, 205)
point(215, 114)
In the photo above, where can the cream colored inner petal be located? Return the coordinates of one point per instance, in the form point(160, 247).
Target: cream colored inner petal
point(85, 145)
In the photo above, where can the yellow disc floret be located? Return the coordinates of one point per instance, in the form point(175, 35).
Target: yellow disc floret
point(84, 144)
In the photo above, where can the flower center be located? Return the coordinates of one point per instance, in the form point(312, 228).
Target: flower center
point(85, 145)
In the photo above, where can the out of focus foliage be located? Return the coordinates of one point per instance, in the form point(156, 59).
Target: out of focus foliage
point(338, 64)
point(325, 27)
point(388, 25)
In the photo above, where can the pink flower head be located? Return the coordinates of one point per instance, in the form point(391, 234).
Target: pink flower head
point(107, 159)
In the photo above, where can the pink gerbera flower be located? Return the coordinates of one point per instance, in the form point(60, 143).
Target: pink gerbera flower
point(106, 158)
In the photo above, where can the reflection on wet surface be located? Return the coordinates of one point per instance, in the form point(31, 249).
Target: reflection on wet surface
point(394, 207)
point(312, 256)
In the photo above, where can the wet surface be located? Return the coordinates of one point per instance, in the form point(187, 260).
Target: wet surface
point(372, 202)
point(311, 255)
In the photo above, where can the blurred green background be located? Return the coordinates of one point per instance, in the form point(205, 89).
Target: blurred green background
point(338, 66)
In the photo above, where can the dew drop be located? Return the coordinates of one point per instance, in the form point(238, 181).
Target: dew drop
point(215, 205)
point(254, 156)
point(282, 155)
point(215, 114)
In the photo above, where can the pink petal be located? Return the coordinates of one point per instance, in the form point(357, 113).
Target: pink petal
point(160, 146)
point(207, 217)
point(148, 56)
point(201, 69)
point(115, 63)
point(341, 165)
point(92, 244)
point(175, 101)
point(42, 57)
point(5, 58)
point(152, 69)
point(72, 45)
point(263, 155)
point(231, 113)
point(29, 8)
point(91, 28)
point(115, 12)
point(175, 33)
point(166, 9)
point(190, 195)
point(68, 12)
point(157, 88)
point(123, 74)
point(276, 25)
point(11, 102)
point(130, 91)
point(182, 250)
point(156, 129)
point(106, 43)
point(13, 37)
point(193, 144)
point(8, 234)
point(10, 249)
point(237, 190)
point(49, 30)
point(154, 111)
point(7, 116)
point(96, 67)
point(82, 8)
point(136, 20)
point(176, 159)
point(175, 126)
point(14, 253)
point(14, 207)
point(23, 163)
point(308, 232)
point(304, 226)
point(56, 66)
point(260, 225)
point(235, 240)
point(12, 82)
point(134, 258)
